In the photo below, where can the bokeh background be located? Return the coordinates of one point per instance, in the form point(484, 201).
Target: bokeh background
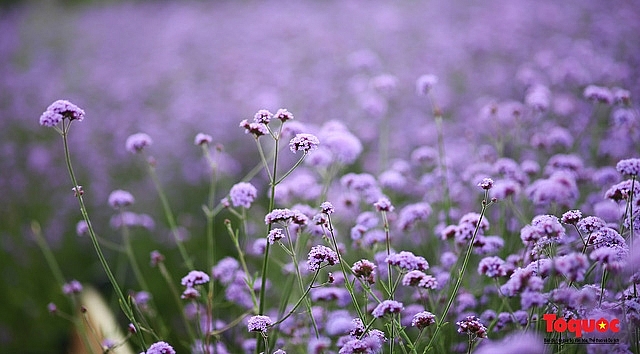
point(172, 69)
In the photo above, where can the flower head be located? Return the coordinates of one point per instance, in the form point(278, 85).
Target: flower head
point(60, 110)
point(156, 257)
point(320, 254)
point(274, 235)
point(408, 261)
point(72, 287)
point(257, 129)
point(364, 269)
point(259, 324)
point(383, 204)
point(425, 83)
point(136, 142)
point(304, 142)
point(243, 194)
point(283, 115)
point(327, 208)
point(202, 139)
point(195, 277)
point(120, 199)
point(423, 319)
point(160, 348)
point(629, 167)
point(263, 116)
point(471, 325)
point(486, 183)
point(387, 307)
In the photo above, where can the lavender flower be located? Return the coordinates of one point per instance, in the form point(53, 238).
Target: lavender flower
point(190, 294)
point(243, 194)
point(275, 235)
point(256, 129)
point(590, 224)
point(195, 277)
point(598, 94)
point(320, 254)
point(72, 287)
point(571, 217)
point(160, 348)
point(120, 199)
point(60, 110)
point(471, 325)
point(407, 261)
point(623, 190)
point(364, 269)
point(52, 308)
point(283, 115)
point(573, 266)
point(630, 167)
point(521, 342)
point(383, 204)
point(486, 183)
point(422, 320)
point(425, 83)
point(304, 142)
point(82, 228)
point(492, 267)
point(263, 116)
point(137, 142)
point(412, 213)
point(327, 208)
point(259, 323)
point(282, 216)
point(202, 139)
point(387, 307)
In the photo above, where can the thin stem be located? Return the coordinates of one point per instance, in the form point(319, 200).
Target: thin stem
point(169, 215)
point(440, 321)
point(124, 303)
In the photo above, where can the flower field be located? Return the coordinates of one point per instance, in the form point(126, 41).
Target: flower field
point(320, 177)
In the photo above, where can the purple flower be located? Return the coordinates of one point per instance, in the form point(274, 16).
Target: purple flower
point(486, 183)
point(82, 228)
point(60, 110)
point(471, 325)
point(257, 129)
point(364, 269)
point(160, 348)
point(492, 267)
point(422, 320)
point(598, 94)
point(304, 142)
point(413, 213)
point(341, 144)
point(282, 216)
point(318, 345)
point(275, 235)
point(120, 199)
point(259, 323)
point(571, 217)
point(327, 208)
point(573, 266)
point(590, 224)
point(52, 308)
point(622, 190)
point(387, 307)
point(320, 254)
point(425, 83)
point(383, 204)
point(419, 279)
point(225, 269)
point(195, 277)
point(407, 261)
point(519, 342)
point(136, 142)
point(190, 294)
point(72, 287)
point(202, 139)
point(630, 167)
point(156, 257)
point(283, 115)
point(263, 116)
point(243, 194)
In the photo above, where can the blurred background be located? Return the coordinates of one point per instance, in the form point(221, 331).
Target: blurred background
point(172, 69)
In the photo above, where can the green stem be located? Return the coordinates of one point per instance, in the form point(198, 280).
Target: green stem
point(461, 272)
point(170, 218)
point(124, 303)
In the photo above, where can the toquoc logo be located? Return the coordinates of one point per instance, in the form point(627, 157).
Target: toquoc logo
point(577, 326)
